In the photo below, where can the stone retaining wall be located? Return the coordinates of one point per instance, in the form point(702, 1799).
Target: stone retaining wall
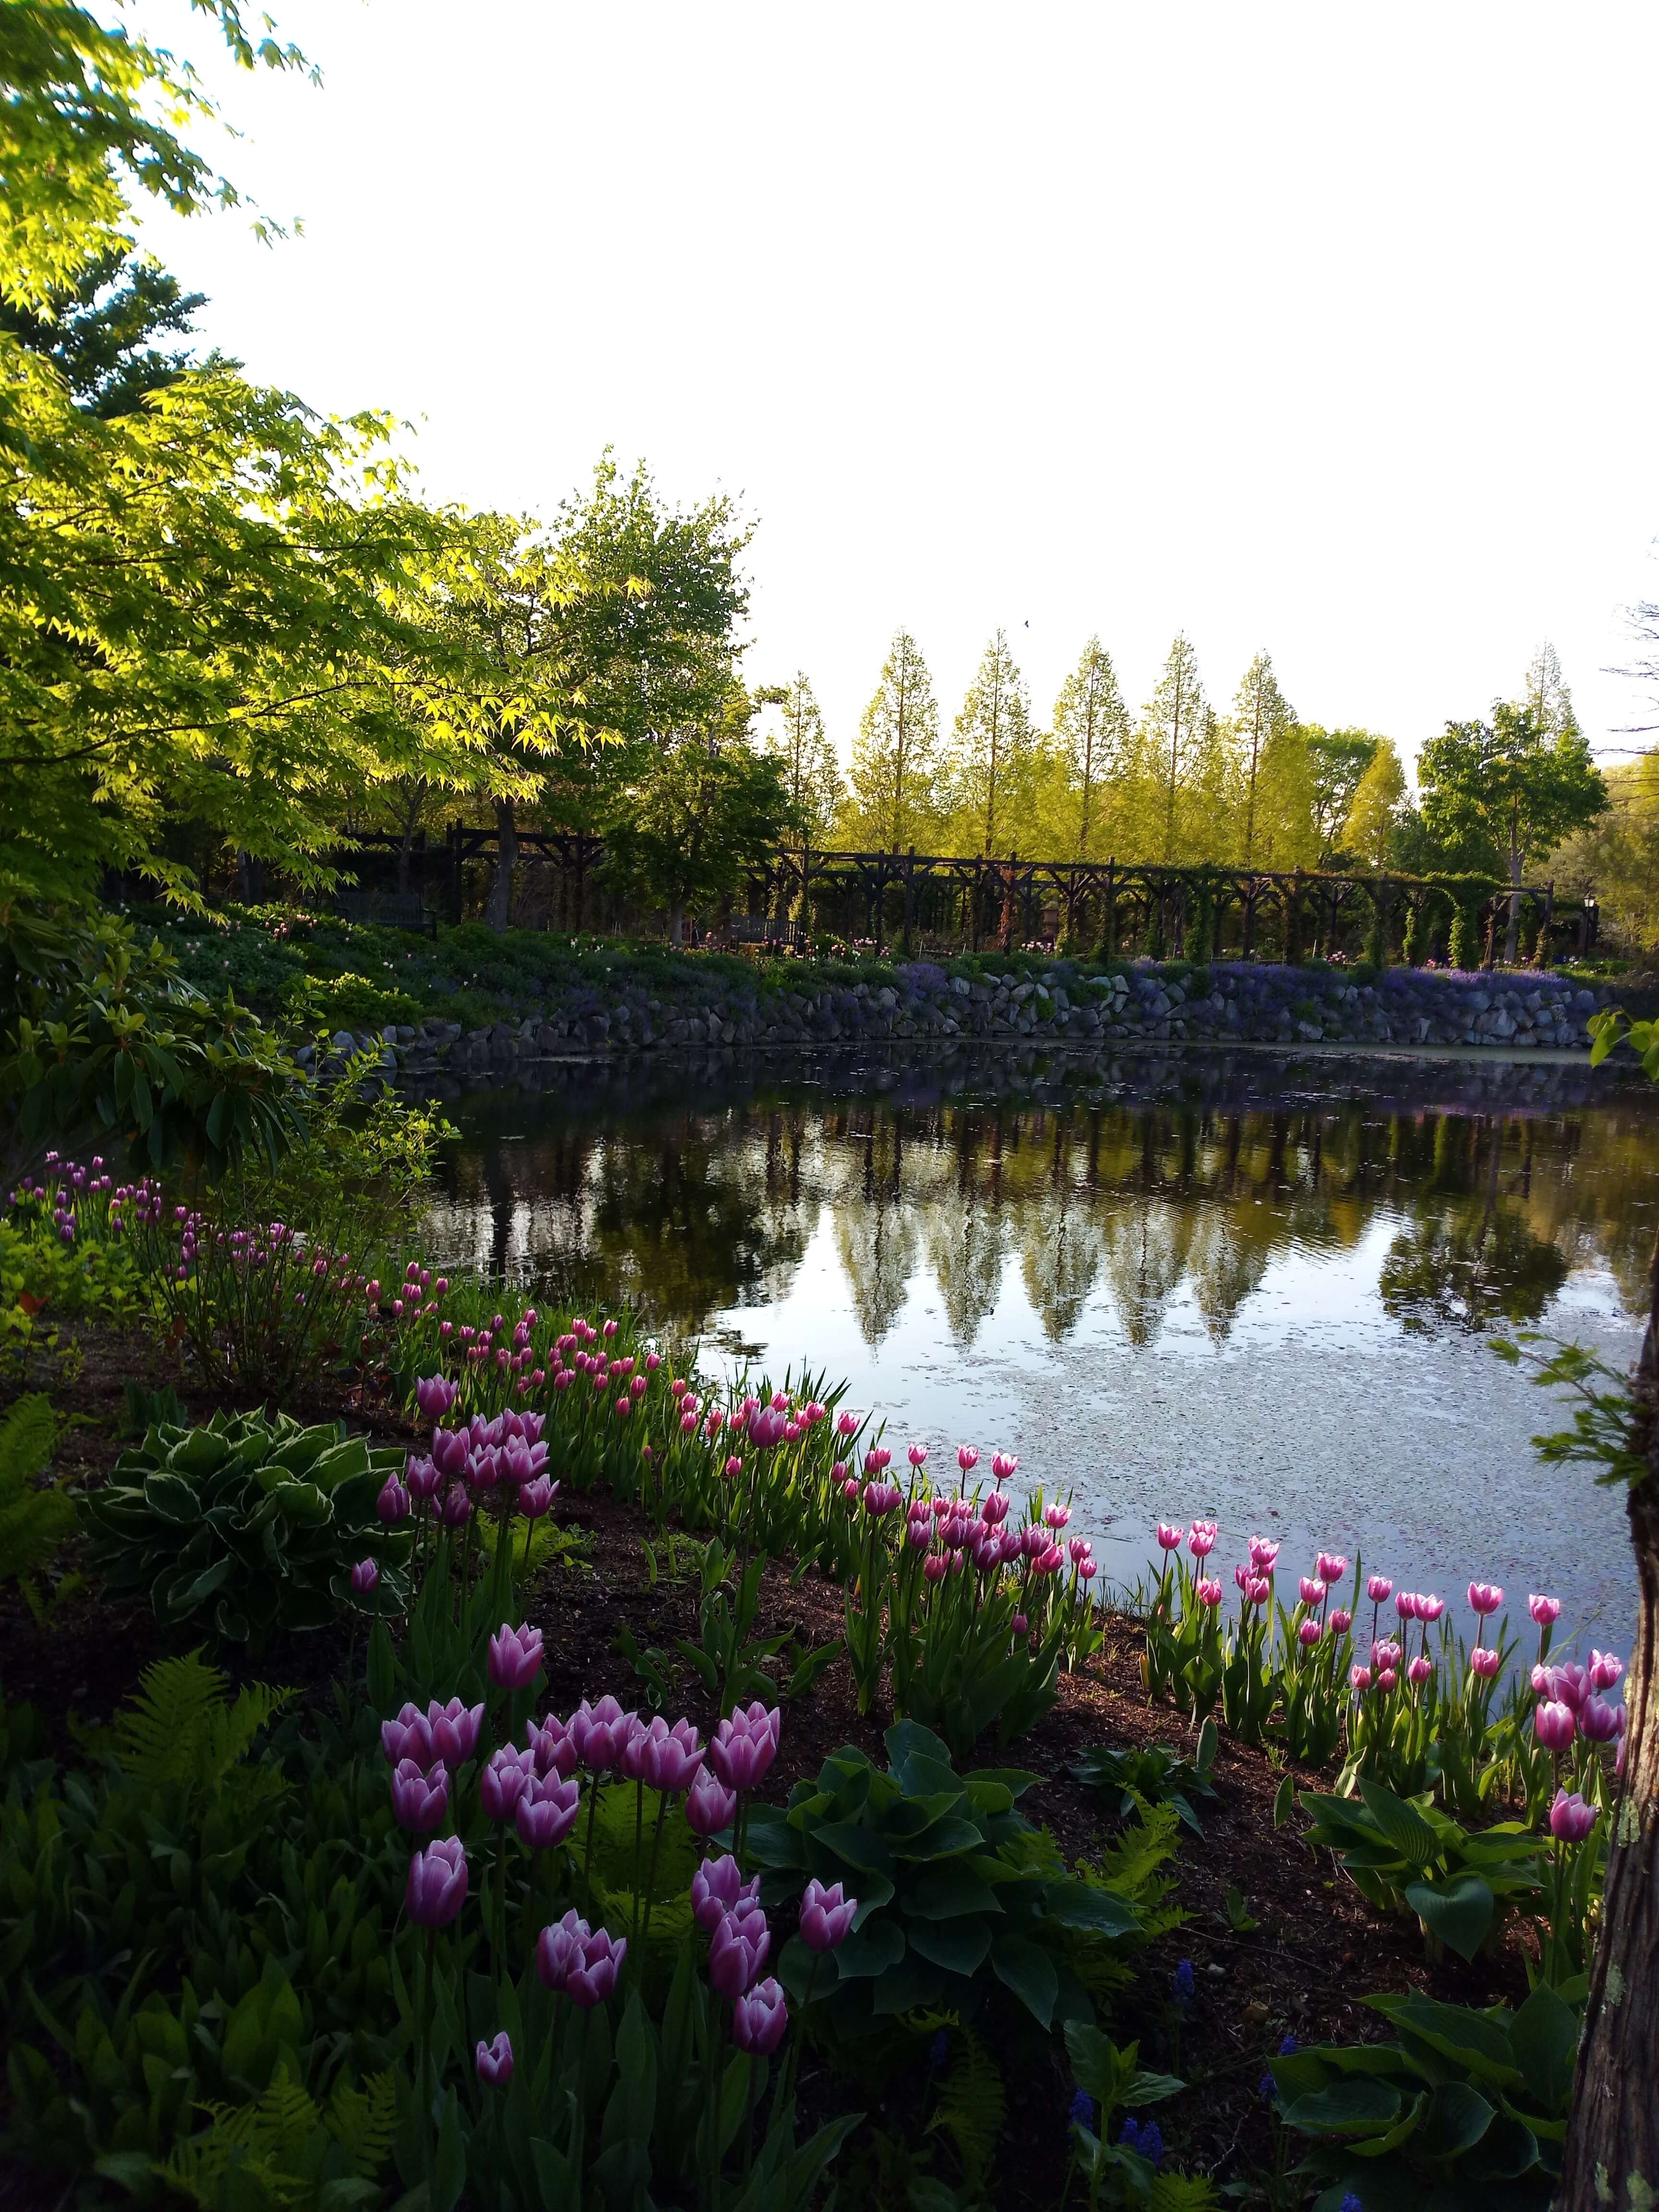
point(1229, 1002)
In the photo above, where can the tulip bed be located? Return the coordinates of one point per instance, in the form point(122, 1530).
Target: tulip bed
point(430, 1931)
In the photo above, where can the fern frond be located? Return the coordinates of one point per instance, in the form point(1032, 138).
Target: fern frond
point(363, 2121)
point(970, 2107)
point(32, 1522)
point(177, 1727)
point(1181, 2192)
point(27, 1437)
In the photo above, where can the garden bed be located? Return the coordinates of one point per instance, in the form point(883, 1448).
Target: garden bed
point(1313, 1950)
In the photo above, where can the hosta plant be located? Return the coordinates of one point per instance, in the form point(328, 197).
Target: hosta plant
point(1405, 1855)
point(959, 1893)
point(247, 1524)
point(1465, 2111)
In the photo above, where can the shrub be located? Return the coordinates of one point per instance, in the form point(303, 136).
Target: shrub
point(352, 1002)
point(247, 1525)
point(33, 1521)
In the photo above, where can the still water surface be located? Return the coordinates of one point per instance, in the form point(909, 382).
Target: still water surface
point(1259, 1287)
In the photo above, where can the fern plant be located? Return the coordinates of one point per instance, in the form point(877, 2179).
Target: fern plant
point(33, 1521)
point(970, 2106)
point(285, 2154)
point(179, 1732)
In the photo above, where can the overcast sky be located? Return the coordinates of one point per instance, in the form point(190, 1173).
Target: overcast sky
point(1326, 330)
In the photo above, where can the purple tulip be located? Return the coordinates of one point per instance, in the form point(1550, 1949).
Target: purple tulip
point(759, 2019)
point(599, 1733)
point(554, 1747)
point(456, 1510)
point(451, 1449)
point(515, 1657)
point(1605, 1669)
point(1598, 1721)
point(455, 1729)
point(825, 1916)
point(744, 1746)
point(394, 1503)
point(546, 1811)
point(424, 1479)
point(495, 2062)
point(1546, 1611)
point(1378, 1588)
point(1555, 1724)
point(436, 1889)
point(709, 1807)
point(718, 1887)
point(435, 1395)
point(737, 1951)
point(419, 1801)
point(365, 1577)
point(1485, 1663)
point(1485, 1598)
point(591, 1982)
point(409, 1736)
point(537, 1497)
point(1571, 1818)
point(504, 1781)
point(668, 1759)
point(560, 1948)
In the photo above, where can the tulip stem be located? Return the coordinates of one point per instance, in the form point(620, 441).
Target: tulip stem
point(651, 1878)
point(587, 1856)
point(639, 1845)
point(755, 2063)
point(426, 2055)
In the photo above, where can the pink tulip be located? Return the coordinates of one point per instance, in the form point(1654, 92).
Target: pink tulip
point(409, 1736)
point(1485, 1598)
point(1056, 1516)
point(744, 1746)
point(1258, 1591)
point(1330, 1566)
point(825, 1916)
point(1004, 1465)
point(709, 1807)
point(917, 1456)
point(1605, 1669)
point(455, 1729)
point(1020, 1624)
point(1207, 1592)
point(546, 1811)
point(760, 2018)
point(419, 1801)
point(1387, 1678)
point(936, 1566)
point(1567, 1684)
point(1342, 1621)
point(1554, 1724)
point(881, 1498)
point(1406, 1604)
point(1168, 1539)
point(967, 1458)
point(1360, 1677)
point(515, 1657)
point(847, 1424)
point(437, 1888)
point(1571, 1818)
point(1430, 1608)
point(1242, 1578)
point(1310, 1591)
point(994, 1508)
point(1200, 1538)
point(1378, 1588)
point(1546, 1611)
point(736, 1951)
point(1598, 1721)
point(1419, 1670)
point(495, 2062)
point(718, 1887)
point(590, 1982)
point(1485, 1663)
point(504, 1781)
point(1309, 1633)
point(1264, 1551)
point(599, 1733)
point(1385, 1653)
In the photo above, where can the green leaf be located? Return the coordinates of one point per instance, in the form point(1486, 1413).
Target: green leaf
point(171, 1497)
point(1345, 2108)
point(1544, 2038)
point(1029, 1971)
point(1457, 2118)
point(1084, 1904)
point(871, 1949)
point(1458, 1911)
point(1405, 1827)
point(946, 1892)
point(1284, 1801)
point(960, 1945)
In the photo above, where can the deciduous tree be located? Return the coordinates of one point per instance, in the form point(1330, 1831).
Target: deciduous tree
point(1177, 740)
point(991, 747)
point(1262, 720)
point(797, 739)
point(1091, 737)
point(1370, 828)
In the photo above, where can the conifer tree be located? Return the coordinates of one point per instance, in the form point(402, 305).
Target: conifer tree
point(1091, 737)
point(800, 743)
point(993, 751)
point(896, 754)
point(1176, 738)
point(1261, 719)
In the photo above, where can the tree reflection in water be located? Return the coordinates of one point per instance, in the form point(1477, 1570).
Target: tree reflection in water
point(692, 1196)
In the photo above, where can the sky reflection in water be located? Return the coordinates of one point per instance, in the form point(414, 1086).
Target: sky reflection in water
point(1256, 1288)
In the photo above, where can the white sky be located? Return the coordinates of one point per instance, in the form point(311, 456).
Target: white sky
point(1328, 329)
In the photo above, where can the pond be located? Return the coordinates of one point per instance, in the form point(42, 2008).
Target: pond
point(1255, 1285)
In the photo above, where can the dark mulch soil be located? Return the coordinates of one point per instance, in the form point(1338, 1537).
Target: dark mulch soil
point(1316, 1949)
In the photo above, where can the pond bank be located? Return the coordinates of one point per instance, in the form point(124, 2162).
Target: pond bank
point(1230, 1002)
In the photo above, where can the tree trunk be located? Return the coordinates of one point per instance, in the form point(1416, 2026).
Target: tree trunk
point(1613, 2133)
point(675, 922)
point(1512, 928)
point(499, 912)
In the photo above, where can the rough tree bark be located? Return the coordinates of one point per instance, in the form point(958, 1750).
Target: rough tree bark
point(499, 912)
point(1612, 2157)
